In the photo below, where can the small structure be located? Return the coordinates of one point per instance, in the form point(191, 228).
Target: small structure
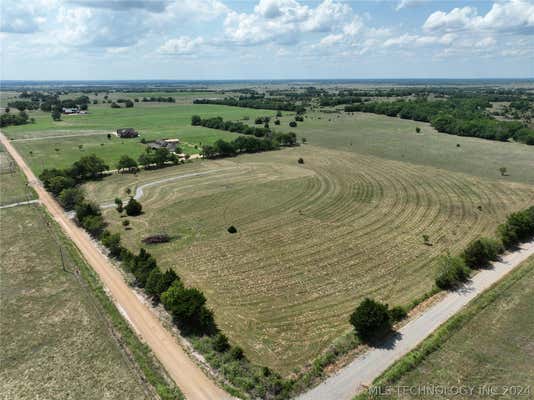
point(73, 110)
point(169, 144)
point(127, 133)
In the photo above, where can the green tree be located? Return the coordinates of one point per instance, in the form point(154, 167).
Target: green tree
point(371, 320)
point(94, 224)
point(452, 271)
point(70, 197)
point(113, 242)
point(128, 163)
point(481, 252)
point(56, 115)
point(133, 207)
point(158, 282)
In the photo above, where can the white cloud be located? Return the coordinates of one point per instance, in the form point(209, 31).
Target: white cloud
point(284, 21)
point(125, 5)
point(515, 16)
point(23, 17)
point(183, 45)
point(409, 3)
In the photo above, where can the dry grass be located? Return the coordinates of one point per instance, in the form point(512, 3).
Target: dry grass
point(55, 344)
point(312, 239)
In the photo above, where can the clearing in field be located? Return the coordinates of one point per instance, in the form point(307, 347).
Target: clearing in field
point(53, 333)
point(492, 348)
point(313, 239)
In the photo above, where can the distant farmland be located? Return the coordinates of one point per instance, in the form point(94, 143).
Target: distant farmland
point(313, 239)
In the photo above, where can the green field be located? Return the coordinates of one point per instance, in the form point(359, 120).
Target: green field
point(488, 344)
point(55, 342)
point(396, 139)
point(313, 239)
point(12, 182)
point(152, 120)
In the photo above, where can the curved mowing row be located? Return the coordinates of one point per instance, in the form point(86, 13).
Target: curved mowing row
point(314, 240)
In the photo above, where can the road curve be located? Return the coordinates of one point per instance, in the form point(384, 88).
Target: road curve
point(188, 376)
point(352, 379)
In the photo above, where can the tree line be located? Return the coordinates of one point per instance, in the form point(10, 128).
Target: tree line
point(456, 116)
point(254, 102)
point(186, 305)
point(454, 270)
point(9, 118)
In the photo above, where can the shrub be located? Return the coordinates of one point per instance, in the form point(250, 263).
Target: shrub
point(158, 282)
point(452, 271)
point(418, 130)
point(481, 252)
point(220, 343)
point(371, 320)
point(397, 314)
point(70, 197)
point(113, 242)
point(236, 353)
point(232, 229)
point(293, 124)
point(300, 160)
point(94, 224)
point(187, 306)
point(133, 207)
point(518, 227)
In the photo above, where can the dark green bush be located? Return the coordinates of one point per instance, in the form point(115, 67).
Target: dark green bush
point(371, 320)
point(452, 272)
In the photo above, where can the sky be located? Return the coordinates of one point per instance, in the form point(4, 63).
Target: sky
point(265, 39)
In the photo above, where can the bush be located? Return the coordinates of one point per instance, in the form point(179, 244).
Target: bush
point(300, 160)
point(94, 224)
point(371, 320)
point(70, 197)
point(518, 227)
point(481, 252)
point(187, 307)
point(133, 207)
point(220, 343)
point(397, 314)
point(232, 229)
point(452, 271)
point(236, 353)
point(158, 282)
point(293, 124)
point(113, 242)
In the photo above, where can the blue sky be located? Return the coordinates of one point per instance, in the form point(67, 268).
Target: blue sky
point(265, 39)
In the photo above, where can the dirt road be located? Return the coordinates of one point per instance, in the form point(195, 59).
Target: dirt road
point(188, 376)
point(362, 371)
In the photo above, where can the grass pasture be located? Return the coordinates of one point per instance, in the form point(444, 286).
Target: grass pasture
point(396, 139)
point(12, 181)
point(54, 342)
point(313, 239)
point(487, 345)
point(152, 120)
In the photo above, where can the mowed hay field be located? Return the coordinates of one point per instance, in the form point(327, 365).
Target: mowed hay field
point(55, 344)
point(313, 239)
point(493, 347)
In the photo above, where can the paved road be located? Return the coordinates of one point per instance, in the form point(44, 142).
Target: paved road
point(363, 370)
point(20, 203)
point(187, 375)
